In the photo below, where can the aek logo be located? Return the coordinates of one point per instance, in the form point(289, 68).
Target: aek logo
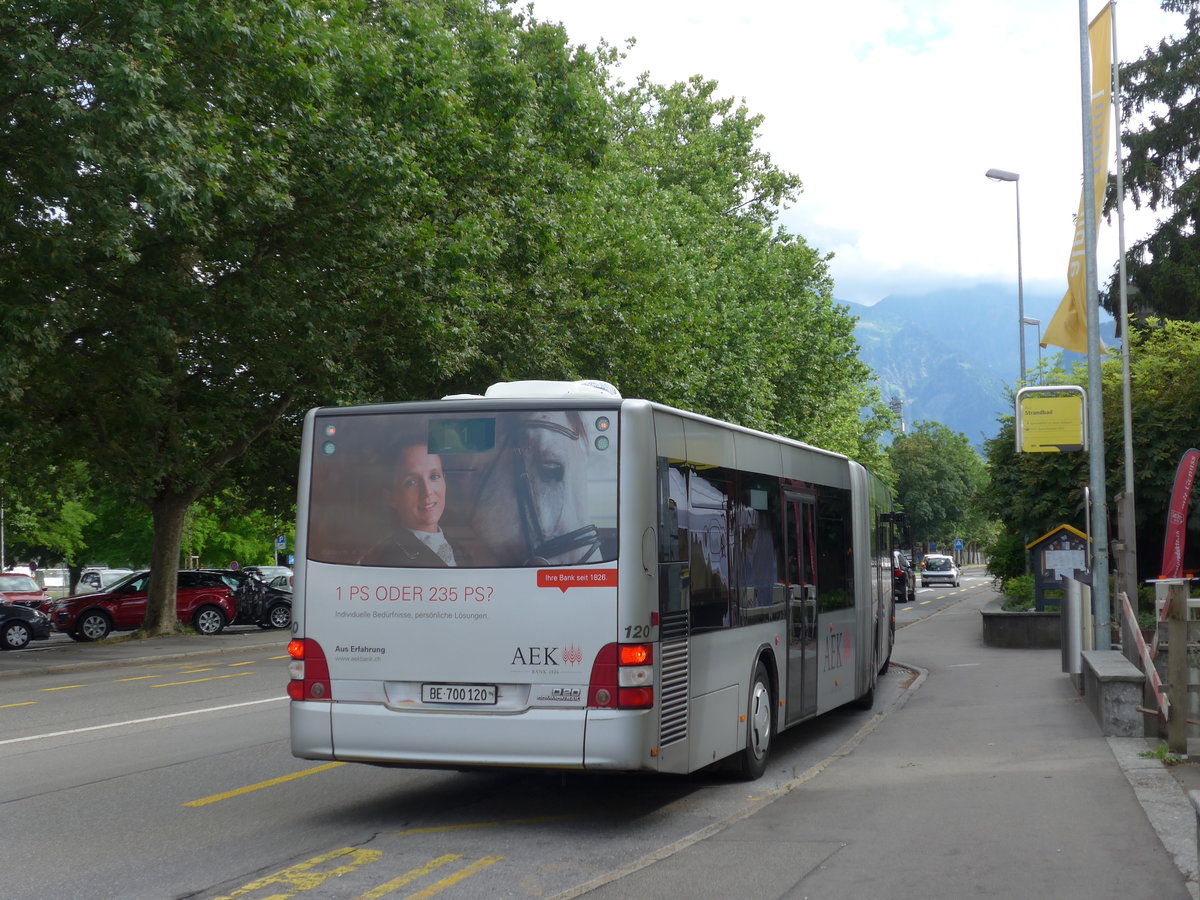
point(534, 656)
point(570, 655)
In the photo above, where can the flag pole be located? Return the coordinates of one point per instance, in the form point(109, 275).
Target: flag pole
point(1099, 502)
point(1125, 503)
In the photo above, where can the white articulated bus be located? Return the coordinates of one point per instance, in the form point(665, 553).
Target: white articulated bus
point(551, 575)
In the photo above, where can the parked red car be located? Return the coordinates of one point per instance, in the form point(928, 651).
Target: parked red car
point(23, 591)
point(203, 600)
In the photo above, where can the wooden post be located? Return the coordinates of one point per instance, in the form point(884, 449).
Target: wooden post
point(1177, 667)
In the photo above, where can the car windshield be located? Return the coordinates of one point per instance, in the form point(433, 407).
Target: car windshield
point(141, 579)
point(17, 583)
point(938, 563)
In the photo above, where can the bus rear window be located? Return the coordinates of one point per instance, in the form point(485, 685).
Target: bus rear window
point(521, 488)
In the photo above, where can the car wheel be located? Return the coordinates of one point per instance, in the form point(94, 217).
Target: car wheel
point(15, 635)
point(279, 616)
point(93, 626)
point(760, 726)
point(209, 620)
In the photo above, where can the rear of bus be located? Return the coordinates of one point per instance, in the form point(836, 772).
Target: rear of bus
point(456, 588)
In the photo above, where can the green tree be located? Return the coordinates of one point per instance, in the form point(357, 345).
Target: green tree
point(1161, 172)
point(938, 480)
point(680, 285)
point(217, 213)
point(1032, 493)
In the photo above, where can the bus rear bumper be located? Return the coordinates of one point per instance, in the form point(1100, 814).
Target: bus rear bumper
point(611, 740)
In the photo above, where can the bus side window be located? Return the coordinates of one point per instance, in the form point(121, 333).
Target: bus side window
point(672, 539)
point(709, 513)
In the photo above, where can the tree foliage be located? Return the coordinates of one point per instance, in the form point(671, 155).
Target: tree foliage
point(1032, 493)
point(1162, 171)
point(216, 214)
point(938, 479)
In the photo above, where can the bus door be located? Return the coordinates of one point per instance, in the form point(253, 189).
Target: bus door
point(800, 551)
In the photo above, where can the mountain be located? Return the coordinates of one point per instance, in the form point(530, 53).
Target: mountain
point(952, 356)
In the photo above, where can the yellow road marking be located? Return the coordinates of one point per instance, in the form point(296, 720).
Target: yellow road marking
point(198, 680)
point(285, 656)
point(65, 687)
point(137, 678)
point(302, 877)
point(387, 887)
point(250, 788)
point(234, 665)
point(25, 703)
point(451, 880)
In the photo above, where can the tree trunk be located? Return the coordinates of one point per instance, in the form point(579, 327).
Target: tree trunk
point(167, 511)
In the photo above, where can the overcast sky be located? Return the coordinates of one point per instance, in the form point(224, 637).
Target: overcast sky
point(890, 111)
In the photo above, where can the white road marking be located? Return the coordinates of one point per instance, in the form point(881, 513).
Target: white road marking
point(194, 712)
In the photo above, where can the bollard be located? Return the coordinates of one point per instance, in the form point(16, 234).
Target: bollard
point(1072, 630)
point(1177, 667)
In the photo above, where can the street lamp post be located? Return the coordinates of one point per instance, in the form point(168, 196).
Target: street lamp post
point(1001, 175)
point(1026, 320)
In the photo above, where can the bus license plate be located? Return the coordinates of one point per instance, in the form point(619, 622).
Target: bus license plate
point(477, 694)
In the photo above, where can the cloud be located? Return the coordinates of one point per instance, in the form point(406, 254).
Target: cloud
point(891, 111)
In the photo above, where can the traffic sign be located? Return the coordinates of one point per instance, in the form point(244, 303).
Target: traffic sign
point(281, 542)
point(958, 544)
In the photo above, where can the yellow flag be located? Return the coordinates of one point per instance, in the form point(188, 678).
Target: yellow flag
point(1068, 328)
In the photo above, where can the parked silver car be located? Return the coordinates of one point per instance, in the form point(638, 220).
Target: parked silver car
point(100, 579)
point(938, 569)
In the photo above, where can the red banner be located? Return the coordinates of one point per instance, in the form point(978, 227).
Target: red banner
point(563, 579)
point(1181, 495)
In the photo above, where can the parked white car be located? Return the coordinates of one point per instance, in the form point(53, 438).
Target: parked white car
point(938, 569)
point(100, 579)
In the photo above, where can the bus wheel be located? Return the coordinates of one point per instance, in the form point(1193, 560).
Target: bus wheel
point(867, 700)
point(760, 726)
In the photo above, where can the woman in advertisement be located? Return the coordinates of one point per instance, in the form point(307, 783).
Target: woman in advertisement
point(417, 497)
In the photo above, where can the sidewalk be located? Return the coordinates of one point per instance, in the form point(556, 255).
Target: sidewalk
point(990, 780)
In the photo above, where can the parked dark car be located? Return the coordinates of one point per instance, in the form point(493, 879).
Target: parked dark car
point(281, 582)
point(202, 599)
point(20, 624)
point(257, 602)
point(904, 579)
point(266, 573)
point(23, 591)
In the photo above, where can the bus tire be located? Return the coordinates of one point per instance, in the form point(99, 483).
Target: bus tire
point(760, 727)
point(867, 700)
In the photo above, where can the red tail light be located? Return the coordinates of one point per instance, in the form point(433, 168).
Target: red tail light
point(622, 677)
point(308, 670)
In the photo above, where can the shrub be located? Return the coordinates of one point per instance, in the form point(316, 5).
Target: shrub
point(1018, 593)
point(1006, 558)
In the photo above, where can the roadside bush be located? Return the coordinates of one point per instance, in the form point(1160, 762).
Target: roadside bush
point(1006, 558)
point(1018, 593)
